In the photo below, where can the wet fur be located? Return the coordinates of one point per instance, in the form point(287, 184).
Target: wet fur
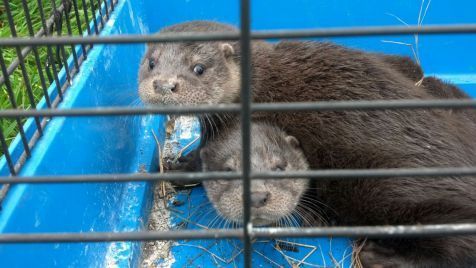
point(311, 71)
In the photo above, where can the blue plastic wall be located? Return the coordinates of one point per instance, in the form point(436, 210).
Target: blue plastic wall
point(108, 77)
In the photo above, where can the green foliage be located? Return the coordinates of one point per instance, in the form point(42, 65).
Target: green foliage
point(17, 81)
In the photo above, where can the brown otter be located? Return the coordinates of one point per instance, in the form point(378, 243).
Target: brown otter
point(207, 72)
point(404, 65)
point(272, 200)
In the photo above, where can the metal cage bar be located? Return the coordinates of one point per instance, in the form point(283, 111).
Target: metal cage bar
point(13, 102)
point(245, 47)
point(101, 18)
point(105, 9)
point(78, 24)
point(430, 230)
point(49, 50)
point(217, 36)
point(24, 72)
point(255, 107)
point(67, 9)
point(60, 48)
point(85, 11)
point(10, 164)
point(31, 32)
point(47, 24)
point(322, 174)
point(93, 11)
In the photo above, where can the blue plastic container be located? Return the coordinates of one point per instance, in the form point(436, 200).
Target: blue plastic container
point(91, 145)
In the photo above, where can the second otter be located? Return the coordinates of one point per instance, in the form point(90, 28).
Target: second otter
point(272, 200)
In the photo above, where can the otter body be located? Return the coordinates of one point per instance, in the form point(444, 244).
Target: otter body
point(206, 73)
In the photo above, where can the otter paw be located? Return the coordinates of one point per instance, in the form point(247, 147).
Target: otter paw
point(188, 163)
point(374, 255)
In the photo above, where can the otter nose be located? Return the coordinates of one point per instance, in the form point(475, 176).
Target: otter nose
point(259, 199)
point(164, 87)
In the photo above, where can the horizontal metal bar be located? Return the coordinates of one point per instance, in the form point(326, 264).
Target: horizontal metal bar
point(114, 111)
point(256, 107)
point(430, 230)
point(365, 105)
point(370, 173)
point(370, 231)
point(194, 176)
point(119, 236)
point(190, 176)
point(223, 36)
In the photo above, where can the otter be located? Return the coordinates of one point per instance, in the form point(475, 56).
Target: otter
point(273, 201)
point(292, 71)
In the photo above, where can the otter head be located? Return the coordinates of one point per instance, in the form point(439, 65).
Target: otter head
point(190, 73)
point(272, 200)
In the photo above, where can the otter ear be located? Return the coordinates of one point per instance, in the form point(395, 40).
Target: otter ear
point(292, 141)
point(227, 49)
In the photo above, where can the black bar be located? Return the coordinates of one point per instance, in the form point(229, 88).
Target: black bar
point(245, 47)
point(24, 72)
point(6, 153)
point(122, 177)
point(112, 5)
point(255, 107)
point(217, 36)
point(49, 51)
point(430, 230)
point(106, 9)
point(11, 96)
point(326, 174)
point(70, 32)
point(93, 11)
point(365, 105)
point(12, 113)
point(36, 55)
point(119, 236)
point(78, 24)
point(372, 173)
point(61, 47)
point(85, 11)
point(100, 13)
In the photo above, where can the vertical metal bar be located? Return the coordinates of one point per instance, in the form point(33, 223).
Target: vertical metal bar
point(58, 21)
point(35, 53)
point(26, 78)
point(67, 9)
point(78, 23)
point(85, 11)
point(93, 10)
point(6, 153)
point(106, 8)
point(49, 51)
point(100, 13)
point(245, 43)
point(11, 96)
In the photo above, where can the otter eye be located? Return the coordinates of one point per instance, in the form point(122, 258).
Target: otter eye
point(199, 69)
point(151, 64)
